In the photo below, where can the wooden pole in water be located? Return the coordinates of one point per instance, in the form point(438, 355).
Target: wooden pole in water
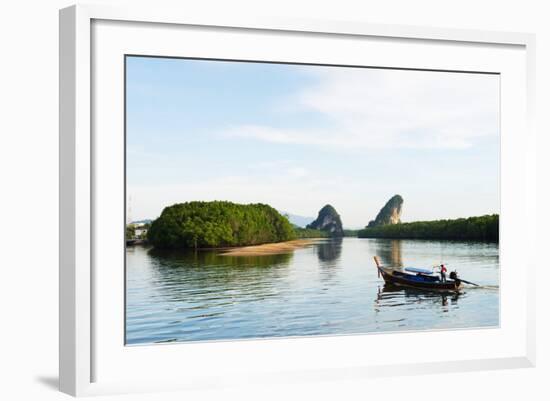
point(468, 282)
point(377, 265)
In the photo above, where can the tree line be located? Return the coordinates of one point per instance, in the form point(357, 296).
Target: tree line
point(226, 224)
point(480, 228)
point(218, 224)
point(309, 233)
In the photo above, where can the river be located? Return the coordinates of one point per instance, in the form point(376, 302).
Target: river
point(328, 288)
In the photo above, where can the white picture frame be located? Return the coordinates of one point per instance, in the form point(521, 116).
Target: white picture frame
point(85, 323)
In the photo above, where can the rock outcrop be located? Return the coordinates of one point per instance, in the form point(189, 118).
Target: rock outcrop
point(390, 213)
point(329, 221)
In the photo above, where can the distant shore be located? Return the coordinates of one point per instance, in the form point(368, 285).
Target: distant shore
point(477, 228)
point(271, 249)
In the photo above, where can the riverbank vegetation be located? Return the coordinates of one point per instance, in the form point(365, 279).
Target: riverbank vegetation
point(480, 228)
point(218, 224)
point(309, 233)
point(221, 224)
point(130, 231)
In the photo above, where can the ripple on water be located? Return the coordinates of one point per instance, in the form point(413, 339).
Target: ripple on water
point(329, 288)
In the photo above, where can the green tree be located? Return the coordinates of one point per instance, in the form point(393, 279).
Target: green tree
point(479, 228)
point(218, 224)
point(130, 231)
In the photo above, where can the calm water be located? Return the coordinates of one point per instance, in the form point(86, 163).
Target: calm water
point(327, 288)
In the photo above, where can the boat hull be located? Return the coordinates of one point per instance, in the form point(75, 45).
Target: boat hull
point(428, 283)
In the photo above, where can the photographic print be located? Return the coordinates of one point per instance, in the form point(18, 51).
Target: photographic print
point(268, 200)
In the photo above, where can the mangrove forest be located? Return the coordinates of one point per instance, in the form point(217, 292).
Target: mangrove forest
point(218, 224)
point(480, 228)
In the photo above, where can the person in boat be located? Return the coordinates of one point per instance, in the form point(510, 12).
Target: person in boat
point(443, 271)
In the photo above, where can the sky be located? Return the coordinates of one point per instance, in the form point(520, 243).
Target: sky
point(298, 137)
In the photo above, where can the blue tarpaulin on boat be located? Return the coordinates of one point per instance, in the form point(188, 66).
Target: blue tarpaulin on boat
point(418, 270)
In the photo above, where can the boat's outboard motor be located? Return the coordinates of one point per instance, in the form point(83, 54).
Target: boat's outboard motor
point(454, 276)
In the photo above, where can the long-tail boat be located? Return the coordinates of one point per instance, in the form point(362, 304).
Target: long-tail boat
point(420, 278)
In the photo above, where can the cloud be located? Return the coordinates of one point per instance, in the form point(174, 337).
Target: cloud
point(369, 108)
point(285, 186)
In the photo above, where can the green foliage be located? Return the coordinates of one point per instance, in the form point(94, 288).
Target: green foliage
point(218, 224)
point(130, 231)
point(350, 233)
point(309, 233)
point(481, 228)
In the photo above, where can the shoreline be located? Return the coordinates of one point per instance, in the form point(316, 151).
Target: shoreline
point(271, 248)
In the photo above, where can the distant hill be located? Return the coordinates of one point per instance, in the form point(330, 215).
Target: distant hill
point(328, 221)
point(390, 213)
point(300, 221)
point(145, 221)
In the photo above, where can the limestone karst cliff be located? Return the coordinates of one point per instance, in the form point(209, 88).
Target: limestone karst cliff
point(329, 221)
point(390, 213)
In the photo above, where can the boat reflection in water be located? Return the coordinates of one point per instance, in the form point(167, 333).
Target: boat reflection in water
point(392, 295)
point(327, 288)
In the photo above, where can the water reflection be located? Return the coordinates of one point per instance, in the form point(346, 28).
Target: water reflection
point(215, 258)
point(328, 256)
point(215, 279)
point(330, 250)
point(391, 296)
point(389, 251)
point(328, 288)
